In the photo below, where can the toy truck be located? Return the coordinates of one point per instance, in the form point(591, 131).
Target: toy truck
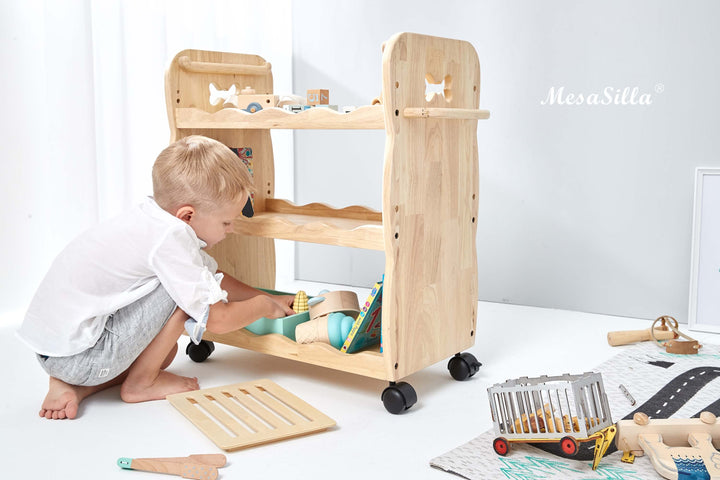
point(566, 409)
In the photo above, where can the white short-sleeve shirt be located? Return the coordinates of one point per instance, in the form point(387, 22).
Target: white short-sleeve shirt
point(113, 265)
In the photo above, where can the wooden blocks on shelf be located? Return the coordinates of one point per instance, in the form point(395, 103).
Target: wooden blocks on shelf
point(318, 97)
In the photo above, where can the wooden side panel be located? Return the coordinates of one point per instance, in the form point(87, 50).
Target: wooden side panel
point(250, 259)
point(430, 202)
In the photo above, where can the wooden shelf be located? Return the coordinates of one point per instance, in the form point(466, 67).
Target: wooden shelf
point(355, 226)
point(369, 363)
point(367, 117)
point(430, 189)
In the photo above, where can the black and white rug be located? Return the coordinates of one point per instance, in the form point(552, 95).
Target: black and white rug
point(663, 386)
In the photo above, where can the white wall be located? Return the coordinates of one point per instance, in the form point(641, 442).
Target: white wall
point(47, 149)
point(84, 111)
point(581, 207)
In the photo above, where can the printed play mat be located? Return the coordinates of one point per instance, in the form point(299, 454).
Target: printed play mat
point(663, 385)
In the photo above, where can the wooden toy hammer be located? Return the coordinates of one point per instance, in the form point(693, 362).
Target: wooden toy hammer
point(666, 334)
point(625, 337)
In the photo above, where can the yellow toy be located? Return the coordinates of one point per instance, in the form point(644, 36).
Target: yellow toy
point(301, 302)
point(332, 315)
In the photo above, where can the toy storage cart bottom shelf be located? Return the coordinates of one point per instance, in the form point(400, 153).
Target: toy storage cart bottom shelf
point(397, 397)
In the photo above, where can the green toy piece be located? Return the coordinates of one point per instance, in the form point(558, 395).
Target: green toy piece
point(284, 325)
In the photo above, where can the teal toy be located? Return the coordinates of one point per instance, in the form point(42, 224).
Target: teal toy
point(284, 325)
point(332, 329)
point(339, 326)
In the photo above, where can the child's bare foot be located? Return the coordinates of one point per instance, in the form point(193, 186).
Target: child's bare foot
point(165, 384)
point(62, 400)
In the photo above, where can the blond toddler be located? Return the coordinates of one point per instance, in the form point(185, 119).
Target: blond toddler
point(115, 301)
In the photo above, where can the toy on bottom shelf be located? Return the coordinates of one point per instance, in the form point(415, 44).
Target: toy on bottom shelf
point(666, 442)
point(348, 333)
point(367, 328)
point(300, 304)
point(331, 329)
point(552, 410)
point(283, 325)
point(332, 315)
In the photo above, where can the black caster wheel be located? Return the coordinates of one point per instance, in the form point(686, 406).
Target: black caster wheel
point(398, 397)
point(200, 352)
point(463, 366)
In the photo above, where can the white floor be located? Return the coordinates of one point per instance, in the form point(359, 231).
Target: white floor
point(367, 442)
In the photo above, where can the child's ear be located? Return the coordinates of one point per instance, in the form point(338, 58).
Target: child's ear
point(185, 213)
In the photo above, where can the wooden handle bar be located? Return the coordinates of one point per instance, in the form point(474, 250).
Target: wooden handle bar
point(229, 68)
point(448, 113)
point(213, 459)
point(197, 471)
point(625, 337)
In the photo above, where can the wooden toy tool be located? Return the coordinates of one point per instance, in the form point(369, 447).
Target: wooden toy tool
point(214, 459)
point(197, 471)
point(625, 337)
point(666, 334)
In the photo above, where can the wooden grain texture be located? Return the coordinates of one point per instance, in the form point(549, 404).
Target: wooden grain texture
point(250, 259)
point(430, 203)
point(250, 413)
point(186, 63)
point(354, 226)
point(368, 363)
point(197, 471)
point(674, 432)
point(447, 113)
point(428, 224)
point(625, 337)
point(213, 459)
point(363, 118)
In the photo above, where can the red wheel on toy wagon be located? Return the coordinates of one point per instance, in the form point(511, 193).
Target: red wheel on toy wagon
point(501, 446)
point(569, 445)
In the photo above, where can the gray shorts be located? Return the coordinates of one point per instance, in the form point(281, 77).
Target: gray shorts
point(127, 334)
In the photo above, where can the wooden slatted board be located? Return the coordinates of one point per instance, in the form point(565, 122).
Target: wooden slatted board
point(248, 414)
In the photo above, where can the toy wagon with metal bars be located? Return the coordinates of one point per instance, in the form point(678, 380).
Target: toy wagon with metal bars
point(565, 409)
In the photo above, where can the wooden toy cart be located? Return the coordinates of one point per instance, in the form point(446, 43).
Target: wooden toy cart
point(428, 224)
point(564, 409)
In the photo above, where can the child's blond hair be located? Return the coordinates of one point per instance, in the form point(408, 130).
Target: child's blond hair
point(201, 172)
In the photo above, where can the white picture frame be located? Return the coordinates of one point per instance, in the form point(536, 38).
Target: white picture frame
point(704, 311)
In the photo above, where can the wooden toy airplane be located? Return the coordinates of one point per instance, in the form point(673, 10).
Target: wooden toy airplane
point(665, 441)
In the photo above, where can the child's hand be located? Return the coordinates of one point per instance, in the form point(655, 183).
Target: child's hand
point(286, 301)
point(276, 306)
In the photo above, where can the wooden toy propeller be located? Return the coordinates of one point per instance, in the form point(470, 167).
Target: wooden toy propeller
point(666, 334)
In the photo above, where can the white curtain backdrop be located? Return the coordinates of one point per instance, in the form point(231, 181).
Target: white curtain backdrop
point(82, 88)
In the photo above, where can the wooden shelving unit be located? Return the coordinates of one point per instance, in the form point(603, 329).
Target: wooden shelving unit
point(364, 118)
point(427, 227)
point(357, 227)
